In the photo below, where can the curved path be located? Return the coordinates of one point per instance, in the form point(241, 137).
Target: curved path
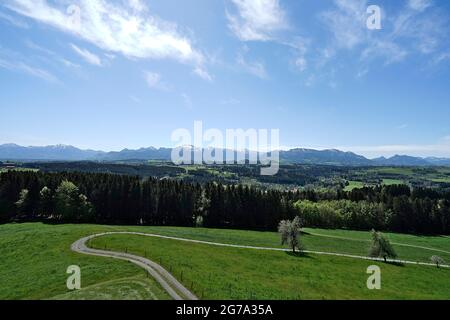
point(173, 287)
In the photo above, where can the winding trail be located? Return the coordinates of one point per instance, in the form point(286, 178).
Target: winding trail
point(172, 286)
point(168, 282)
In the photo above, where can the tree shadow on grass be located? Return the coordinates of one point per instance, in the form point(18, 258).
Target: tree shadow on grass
point(394, 263)
point(299, 255)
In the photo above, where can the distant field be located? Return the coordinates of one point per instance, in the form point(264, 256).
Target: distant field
point(18, 169)
point(401, 175)
point(353, 185)
point(390, 182)
point(35, 257)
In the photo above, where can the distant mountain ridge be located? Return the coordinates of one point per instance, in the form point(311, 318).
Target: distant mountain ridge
point(15, 152)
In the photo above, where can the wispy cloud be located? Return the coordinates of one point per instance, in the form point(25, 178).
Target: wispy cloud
point(256, 68)
point(19, 66)
point(347, 22)
point(124, 27)
point(87, 56)
point(256, 20)
point(419, 5)
point(187, 100)
point(55, 57)
point(202, 73)
point(266, 20)
point(415, 29)
point(154, 81)
point(13, 21)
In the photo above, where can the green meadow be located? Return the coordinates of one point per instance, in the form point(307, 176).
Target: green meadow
point(35, 257)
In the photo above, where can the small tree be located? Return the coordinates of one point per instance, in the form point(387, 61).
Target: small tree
point(71, 205)
point(23, 203)
point(381, 247)
point(290, 233)
point(437, 260)
point(201, 207)
point(46, 202)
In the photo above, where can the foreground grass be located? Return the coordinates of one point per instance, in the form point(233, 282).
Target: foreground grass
point(35, 256)
point(233, 273)
point(139, 287)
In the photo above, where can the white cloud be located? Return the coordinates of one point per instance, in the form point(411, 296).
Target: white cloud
point(154, 81)
point(256, 20)
point(416, 29)
point(69, 64)
point(425, 30)
point(88, 56)
point(137, 5)
point(202, 73)
point(125, 27)
point(255, 68)
point(419, 5)
point(19, 66)
point(301, 64)
point(347, 22)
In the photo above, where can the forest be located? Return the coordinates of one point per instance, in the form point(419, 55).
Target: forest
point(71, 197)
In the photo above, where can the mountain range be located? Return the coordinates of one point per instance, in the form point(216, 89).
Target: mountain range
point(15, 152)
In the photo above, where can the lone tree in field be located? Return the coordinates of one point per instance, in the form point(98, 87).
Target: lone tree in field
point(290, 233)
point(381, 247)
point(437, 260)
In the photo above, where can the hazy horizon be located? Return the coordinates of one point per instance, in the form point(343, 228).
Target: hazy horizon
point(282, 148)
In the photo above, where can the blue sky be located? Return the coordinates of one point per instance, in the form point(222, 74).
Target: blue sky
point(127, 73)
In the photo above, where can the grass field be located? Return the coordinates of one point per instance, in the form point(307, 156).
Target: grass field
point(399, 175)
point(35, 258)
point(354, 185)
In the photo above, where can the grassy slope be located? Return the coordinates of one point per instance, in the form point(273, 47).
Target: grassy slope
point(358, 242)
point(232, 273)
point(35, 258)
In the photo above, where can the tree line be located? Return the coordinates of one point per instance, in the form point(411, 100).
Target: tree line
point(395, 208)
point(123, 199)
